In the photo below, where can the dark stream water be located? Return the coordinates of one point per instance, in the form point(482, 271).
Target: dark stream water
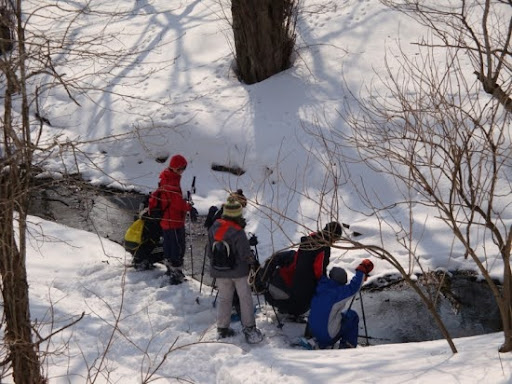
point(109, 213)
point(392, 314)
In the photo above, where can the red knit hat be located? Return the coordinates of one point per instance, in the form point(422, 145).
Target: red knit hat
point(177, 161)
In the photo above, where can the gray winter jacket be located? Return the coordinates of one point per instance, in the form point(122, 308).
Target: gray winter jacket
point(235, 236)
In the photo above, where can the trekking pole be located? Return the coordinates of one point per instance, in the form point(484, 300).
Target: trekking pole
point(189, 196)
point(364, 319)
point(257, 258)
point(215, 300)
point(255, 245)
point(374, 338)
point(202, 269)
point(253, 241)
point(211, 293)
point(280, 325)
point(351, 302)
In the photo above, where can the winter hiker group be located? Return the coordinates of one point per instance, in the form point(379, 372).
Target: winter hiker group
point(294, 282)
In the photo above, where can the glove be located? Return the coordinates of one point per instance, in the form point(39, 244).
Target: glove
point(193, 215)
point(366, 266)
point(253, 241)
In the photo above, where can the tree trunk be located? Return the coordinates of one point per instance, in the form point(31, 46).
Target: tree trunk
point(6, 43)
point(505, 303)
point(264, 34)
point(14, 187)
point(18, 337)
point(494, 89)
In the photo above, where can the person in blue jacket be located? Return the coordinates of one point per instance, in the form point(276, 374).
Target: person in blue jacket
point(328, 320)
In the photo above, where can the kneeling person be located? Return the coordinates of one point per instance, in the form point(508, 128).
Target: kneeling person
point(328, 322)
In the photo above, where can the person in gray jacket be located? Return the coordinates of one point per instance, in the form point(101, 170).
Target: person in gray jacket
point(230, 262)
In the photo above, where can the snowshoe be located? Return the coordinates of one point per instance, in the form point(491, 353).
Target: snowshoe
point(253, 335)
point(305, 343)
point(143, 266)
point(345, 345)
point(176, 277)
point(300, 319)
point(222, 333)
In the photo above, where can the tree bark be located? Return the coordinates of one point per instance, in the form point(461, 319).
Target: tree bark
point(264, 35)
point(495, 90)
point(505, 303)
point(14, 187)
point(18, 334)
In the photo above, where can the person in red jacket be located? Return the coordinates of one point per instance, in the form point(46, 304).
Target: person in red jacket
point(174, 211)
point(289, 278)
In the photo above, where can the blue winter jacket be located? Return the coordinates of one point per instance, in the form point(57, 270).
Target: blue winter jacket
point(327, 305)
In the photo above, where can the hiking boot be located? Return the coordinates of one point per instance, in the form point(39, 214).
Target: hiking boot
point(143, 265)
point(308, 343)
point(225, 332)
point(176, 276)
point(169, 267)
point(345, 345)
point(253, 335)
point(180, 274)
point(301, 319)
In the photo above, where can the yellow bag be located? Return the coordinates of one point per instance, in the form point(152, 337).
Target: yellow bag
point(133, 235)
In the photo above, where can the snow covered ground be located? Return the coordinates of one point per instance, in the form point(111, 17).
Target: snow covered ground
point(181, 96)
point(137, 318)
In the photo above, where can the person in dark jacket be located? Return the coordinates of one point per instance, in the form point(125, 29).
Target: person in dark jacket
point(151, 250)
point(328, 320)
point(174, 211)
point(293, 275)
point(231, 276)
point(215, 213)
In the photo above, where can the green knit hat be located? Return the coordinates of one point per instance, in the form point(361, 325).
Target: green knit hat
point(232, 208)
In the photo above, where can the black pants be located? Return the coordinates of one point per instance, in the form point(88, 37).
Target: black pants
point(149, 251)
point(174, 246)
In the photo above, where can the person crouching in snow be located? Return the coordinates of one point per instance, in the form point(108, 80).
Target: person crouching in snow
point(230, 262)
point(328, 322)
